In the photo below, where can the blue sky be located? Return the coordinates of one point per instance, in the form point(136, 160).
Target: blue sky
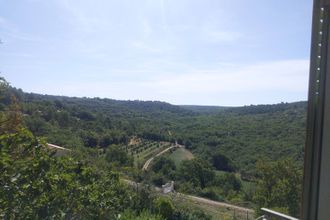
point(206, 52)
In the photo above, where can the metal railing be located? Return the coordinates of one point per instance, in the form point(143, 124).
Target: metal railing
point(273, 215)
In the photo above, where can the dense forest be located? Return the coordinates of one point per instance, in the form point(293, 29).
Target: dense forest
point(243, 134)
point(232, 146)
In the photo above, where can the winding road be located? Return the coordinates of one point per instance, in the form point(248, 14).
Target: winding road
point(147, 163)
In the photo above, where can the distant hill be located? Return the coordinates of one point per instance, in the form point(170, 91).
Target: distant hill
point(204, 109)
point(272, 108)
point(248, 134)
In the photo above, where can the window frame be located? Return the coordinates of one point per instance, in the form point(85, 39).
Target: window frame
point(316, 185)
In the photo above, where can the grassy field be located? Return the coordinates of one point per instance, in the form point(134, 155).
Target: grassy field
point(181, 154)
point(220, 172)
point(249, 188)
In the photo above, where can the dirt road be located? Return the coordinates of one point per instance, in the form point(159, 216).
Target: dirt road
point(56, 147)
point(215, 203)
point(147, 163)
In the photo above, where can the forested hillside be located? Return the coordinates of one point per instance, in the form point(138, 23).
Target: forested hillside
point(246, 134)
point(243, 134)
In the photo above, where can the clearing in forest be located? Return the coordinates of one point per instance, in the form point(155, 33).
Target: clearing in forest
point(180, 155)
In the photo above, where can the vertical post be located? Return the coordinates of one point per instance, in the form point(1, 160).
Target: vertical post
point(316, 192)
point(324, 186)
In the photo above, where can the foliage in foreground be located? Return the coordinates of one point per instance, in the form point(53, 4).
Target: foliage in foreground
point(279, 186)
point(144, 215)
point(38, 185)
point(34, 183)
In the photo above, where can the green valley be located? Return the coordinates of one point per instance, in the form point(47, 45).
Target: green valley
point(213, 152)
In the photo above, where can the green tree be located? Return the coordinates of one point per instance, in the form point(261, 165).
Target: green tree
point(221, 162)
point(144, 215)
point(279, 186)
point(164, 207)
point(196, 171)
point(163, 165)
point(37, 185)
point(10, 116)
point(90, 139)
point(116, 155)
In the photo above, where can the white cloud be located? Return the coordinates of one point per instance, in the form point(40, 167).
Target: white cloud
point(146, 28)
point(216, 33)
point(11, 31)
point(162, 9)
point(2, 21)
point(143, 46)
point(288, 76)
point(81, 17)
point(262, 83)
point(218, 36)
